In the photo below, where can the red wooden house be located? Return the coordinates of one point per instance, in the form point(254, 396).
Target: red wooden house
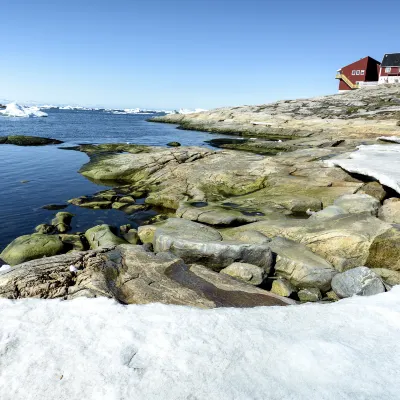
point(390, 69)
point(358, 73)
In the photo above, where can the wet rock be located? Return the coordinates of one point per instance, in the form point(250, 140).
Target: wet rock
point(358, 203)
point(62, 221)
point(55, 206)
point(131, 236)
point(91, 202)
point(360, 281)
point(101, 235)
point(45, 229)
point(309, 295)
point(76, 242)
point(374, 189)
point(245, 272)
point(282, 287)
point(146, 233)
point(125, 228)
point(31, 247)
point(131, 275)
point(20, 140)
point(300, 266)
point(390, 211)
point(173, 144)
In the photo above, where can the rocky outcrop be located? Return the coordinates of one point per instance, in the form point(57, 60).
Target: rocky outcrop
point(130, 275)
point(101, 235)
point(20, 140)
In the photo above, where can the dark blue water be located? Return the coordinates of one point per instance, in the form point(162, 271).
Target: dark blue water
point(52, 173)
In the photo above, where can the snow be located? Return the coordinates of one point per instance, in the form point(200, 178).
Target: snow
point(17, 110)
point(379, 161)
point(394, 139)
point(97, 349)
point(186, 111)
point(5, 267)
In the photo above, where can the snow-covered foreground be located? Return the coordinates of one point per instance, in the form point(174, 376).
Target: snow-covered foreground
point(17, 110)
point(98, 349)
point(379, 161)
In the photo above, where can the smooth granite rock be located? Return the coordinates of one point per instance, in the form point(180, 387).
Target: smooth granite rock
point(245, 272)
point(101, 235)
point(360, 281)
point(390, 211)
point(358, 203)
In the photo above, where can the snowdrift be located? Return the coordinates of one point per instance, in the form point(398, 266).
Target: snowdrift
point(98, 349)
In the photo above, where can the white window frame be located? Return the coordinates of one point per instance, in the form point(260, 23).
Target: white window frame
point(353, 72)
point(363, 72)
point(358, 72)
point(388, 69)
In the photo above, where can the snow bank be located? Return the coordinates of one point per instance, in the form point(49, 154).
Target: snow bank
point(97, 349)
point(17, 110)
point(381, 162)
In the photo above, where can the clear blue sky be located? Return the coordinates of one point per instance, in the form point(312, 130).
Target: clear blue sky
point(186, 53)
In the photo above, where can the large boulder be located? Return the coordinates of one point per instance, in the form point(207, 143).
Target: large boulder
point(31, 247)
point(21, 140)
point(200, 244)
point(360, 281)
point(358, 203)
point(374, 189)
point(62, 221)
point(300, 266)
point(390, 211)
point(245, 272)
point(101, 235)
point(131, 275)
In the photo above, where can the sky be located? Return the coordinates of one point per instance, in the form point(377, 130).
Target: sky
point(169, 54)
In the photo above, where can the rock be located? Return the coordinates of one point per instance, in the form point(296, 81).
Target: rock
point(31, 247)
point(360, 281)
point(390, 211)
point(131, 209)
point(146, 233)
point(131, 236)
point(126, 200)
point(282, 287)
point(331, 295)
point(374, 189)
point(101, 235)
point(131, 275)
point(328, 212)
point(358, 203)
point(62, 221)
point(91, 202)
point(117, 205)
point(20, 140)
point(309, 295)
point(45, 229)
point(125, 228)
point(55, 206)
point(173, 144)
point(300, 266)
point(74, 242)
point(251, 237)
point(245, 272)
point(390, 277)
point(196, 243)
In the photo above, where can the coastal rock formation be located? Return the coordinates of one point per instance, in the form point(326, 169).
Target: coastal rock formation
point(245, 272)
point(101, 235)
point(130, 275)
point(20, 140)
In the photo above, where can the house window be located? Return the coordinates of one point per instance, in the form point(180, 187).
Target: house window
point(388, 69)
point(358, 72)
point(353, 72)
point(362, 72)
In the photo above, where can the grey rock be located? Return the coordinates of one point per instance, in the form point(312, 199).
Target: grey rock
point(252, 237)
point(282, 287)
point(328, 212)
point(388, 276)
point(390, 211)
point(304, 269)
point(245, 272)
point(131, 236)
point(358, 203)
point(374, 189)
point(360, 281)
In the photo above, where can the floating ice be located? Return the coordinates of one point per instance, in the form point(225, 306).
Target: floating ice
point(378, 161)
point(17, 110)
point(98, 349)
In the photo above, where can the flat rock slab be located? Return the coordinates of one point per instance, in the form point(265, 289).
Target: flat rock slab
point(20, 140)
point(131, 275)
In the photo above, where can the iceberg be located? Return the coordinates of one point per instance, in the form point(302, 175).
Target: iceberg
point(99, 349)
point(17, 110)
point(378, 161)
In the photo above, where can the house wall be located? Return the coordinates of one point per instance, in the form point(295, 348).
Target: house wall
point(359, 67)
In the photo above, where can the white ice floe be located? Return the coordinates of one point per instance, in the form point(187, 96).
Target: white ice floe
point(18, 110)
point(187, 111)
point(5, 267)
point(378, 161)
point(96, 349)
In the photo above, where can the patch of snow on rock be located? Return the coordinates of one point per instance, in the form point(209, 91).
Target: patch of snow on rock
point(381, 162)
point(98, 349)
